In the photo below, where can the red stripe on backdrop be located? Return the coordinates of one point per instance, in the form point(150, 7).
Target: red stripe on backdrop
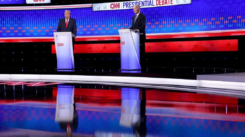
point(94, 48)
point(149, 36)
point(154, 47)
point(192, 46)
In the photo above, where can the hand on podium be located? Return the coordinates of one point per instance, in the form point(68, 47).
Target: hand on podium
point(136, 30)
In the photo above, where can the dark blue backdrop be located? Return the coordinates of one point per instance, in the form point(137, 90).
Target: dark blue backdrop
point(201, 15)
point(2, 2)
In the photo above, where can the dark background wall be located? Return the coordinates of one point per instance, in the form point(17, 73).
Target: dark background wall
point(35, 57)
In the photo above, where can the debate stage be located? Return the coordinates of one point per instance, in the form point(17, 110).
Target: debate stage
point(230, 84)
point(91, 74)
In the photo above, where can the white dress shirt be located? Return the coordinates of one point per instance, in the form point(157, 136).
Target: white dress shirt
point(137, 15)
point(66, 20)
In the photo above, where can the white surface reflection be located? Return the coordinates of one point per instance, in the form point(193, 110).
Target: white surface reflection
point(130, 107)
point(65, 104)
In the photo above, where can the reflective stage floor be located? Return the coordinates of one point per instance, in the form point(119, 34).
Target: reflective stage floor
point(54, 109)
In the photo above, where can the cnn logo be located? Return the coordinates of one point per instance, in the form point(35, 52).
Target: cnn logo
point(122, 42)
point(60, 44)
point(115, 6)
point(38, 0)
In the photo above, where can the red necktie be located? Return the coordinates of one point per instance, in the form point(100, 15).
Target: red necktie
point(66, 23)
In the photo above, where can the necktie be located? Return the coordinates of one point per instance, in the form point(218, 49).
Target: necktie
point(135, 18)
point(66, 23)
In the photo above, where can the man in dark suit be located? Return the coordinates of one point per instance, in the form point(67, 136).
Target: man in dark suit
point(68, 24)
point(138, 25)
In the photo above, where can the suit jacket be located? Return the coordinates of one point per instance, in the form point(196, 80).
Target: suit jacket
point(140, 23)
point(72, 26)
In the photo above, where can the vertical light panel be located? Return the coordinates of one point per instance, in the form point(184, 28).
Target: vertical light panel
point(3, 2)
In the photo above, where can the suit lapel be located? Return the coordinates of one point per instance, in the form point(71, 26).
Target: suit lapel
point(64, 22)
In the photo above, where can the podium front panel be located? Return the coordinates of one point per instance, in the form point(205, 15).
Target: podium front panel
point(130, 52)
point(64, 51)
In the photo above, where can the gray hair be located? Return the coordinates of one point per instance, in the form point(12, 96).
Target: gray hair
point(68, 11)
point(137, 6)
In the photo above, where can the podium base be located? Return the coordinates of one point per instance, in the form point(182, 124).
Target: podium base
point(66, 70)
point(130, 70)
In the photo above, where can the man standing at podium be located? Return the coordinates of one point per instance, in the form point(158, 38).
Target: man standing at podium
point(138, 25)
point(68, 24)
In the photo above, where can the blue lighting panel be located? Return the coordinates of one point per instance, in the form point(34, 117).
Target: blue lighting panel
point(3, 2)
point(201, 15)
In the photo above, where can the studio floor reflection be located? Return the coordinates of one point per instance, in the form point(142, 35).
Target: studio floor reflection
point(59, 109)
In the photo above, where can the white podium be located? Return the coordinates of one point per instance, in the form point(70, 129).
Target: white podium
point(64, 51)
point(130, 51)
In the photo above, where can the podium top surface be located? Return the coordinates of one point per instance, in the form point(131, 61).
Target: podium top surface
point(62, 33)
point(126, 30)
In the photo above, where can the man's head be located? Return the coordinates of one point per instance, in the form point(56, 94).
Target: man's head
point(136, 9)
point(67, 14)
